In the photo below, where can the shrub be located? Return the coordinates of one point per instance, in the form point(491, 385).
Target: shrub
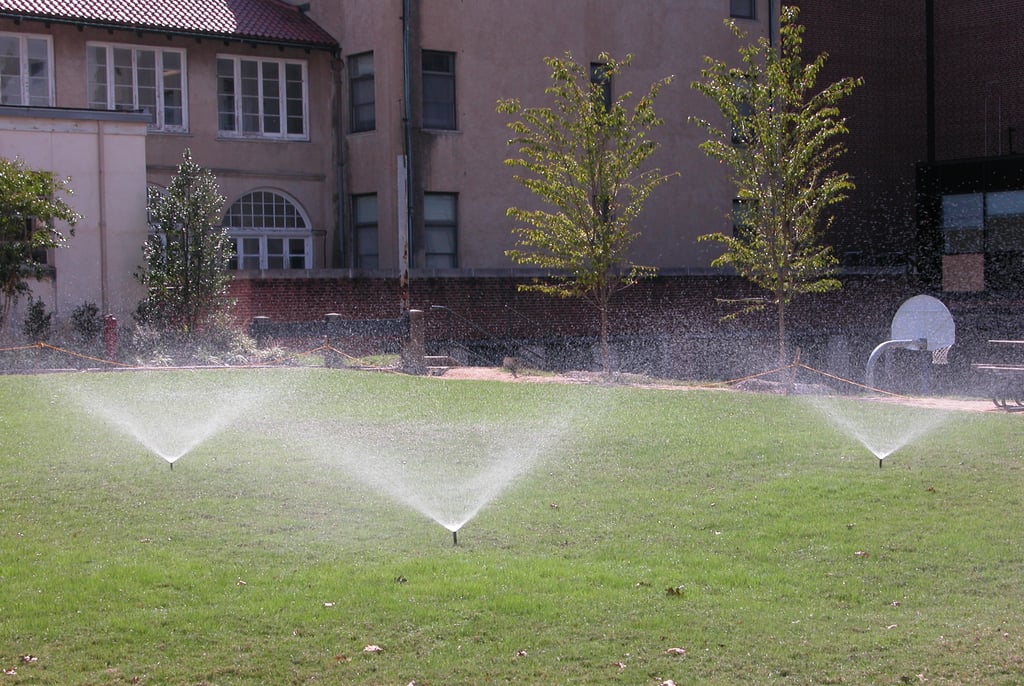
point(38, 324)
point(86, 324)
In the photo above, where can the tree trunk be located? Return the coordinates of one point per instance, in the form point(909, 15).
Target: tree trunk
point(605, 351)
point(783, 357)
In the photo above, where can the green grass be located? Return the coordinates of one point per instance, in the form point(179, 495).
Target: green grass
point(742, 528)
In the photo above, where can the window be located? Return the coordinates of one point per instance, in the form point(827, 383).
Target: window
point(26, 77)
point(269, 231)
point(124, 77)
point(741, 9)
point(438, 90)
point(743, 215)
point(983, 237)
point(261, 98)
point(364, 214)
point(741, 126)
point(600, 77)
point(963, 223)
point(440, 226)
point(362, 108)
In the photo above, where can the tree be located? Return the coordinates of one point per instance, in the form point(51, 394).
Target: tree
point(780, 144)
point(30, 208)
point(187, 255)
point(583, 157)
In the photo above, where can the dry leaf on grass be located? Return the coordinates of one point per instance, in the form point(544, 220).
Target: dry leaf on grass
point(373, 649)
point(676, 651)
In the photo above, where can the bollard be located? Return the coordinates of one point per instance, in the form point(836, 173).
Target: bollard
point(110, 336)
point(332, 324)
point(413, 355)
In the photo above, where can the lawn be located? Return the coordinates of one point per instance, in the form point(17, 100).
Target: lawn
point(606, 535)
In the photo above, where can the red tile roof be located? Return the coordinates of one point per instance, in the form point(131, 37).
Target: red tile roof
point(272, 21)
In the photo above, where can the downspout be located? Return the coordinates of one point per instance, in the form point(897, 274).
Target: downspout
point(101, 224)
point(405, 258)
point(771, 22)
point(929, 79)
point(340, 255)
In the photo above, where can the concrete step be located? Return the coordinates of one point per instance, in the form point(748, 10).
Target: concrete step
point(439, 364)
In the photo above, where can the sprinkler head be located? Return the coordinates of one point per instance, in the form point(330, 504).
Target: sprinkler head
point(880, 462)
point(172, 466)
point(455, 537)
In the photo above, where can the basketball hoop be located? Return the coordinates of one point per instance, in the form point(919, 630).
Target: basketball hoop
point(941, 355)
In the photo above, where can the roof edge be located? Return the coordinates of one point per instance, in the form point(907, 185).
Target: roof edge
point(333, 47)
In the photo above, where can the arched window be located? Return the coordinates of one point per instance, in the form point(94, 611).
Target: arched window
point(269, 231)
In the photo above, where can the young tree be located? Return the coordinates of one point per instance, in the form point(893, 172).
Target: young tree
point(186, 271)
point(780, 144)
point(30, 208)
point(584, 157)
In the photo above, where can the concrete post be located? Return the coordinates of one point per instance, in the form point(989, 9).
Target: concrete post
point(331, 358)
point(413, 351)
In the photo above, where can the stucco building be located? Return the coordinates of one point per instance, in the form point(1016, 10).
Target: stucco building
point(111, 94)
point(352, 140)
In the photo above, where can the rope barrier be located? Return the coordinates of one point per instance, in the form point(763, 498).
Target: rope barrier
point(72, 353)
point(326, 347)
point(795, 365)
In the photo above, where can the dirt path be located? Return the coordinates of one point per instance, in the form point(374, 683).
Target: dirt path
point(502, 374)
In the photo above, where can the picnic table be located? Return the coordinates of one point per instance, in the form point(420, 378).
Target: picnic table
point(1006, 380)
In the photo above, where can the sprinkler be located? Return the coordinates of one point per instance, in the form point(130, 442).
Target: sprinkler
point(455, 537)
point(172, 466)
point(880, 462)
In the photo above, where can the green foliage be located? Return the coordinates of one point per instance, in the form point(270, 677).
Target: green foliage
point(38, 324)
point(780, 143)
point(86, 324)
point(584, 158)
point(31, 205)
point(186, 271)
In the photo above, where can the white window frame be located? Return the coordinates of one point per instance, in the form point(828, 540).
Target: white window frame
point(24, 77)
point(237, 98)
point(262, 237)
point(159, 121)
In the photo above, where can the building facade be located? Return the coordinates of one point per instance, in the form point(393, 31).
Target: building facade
point(936, 144)
point(360, 139)
point(425, 183)
point(111, 94)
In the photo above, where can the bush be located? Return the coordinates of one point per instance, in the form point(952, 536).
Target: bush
point(86, 324)
point(38, 324)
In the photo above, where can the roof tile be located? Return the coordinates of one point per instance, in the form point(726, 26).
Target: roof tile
point(263, 20)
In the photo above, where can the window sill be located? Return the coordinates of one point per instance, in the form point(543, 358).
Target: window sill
point(259, 139)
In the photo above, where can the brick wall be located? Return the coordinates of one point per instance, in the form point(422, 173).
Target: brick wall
point(670, 325)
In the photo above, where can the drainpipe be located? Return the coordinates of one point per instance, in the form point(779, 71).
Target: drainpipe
point(340, 256)
point(929, 80)
point(406, 247)
point(101, 223)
